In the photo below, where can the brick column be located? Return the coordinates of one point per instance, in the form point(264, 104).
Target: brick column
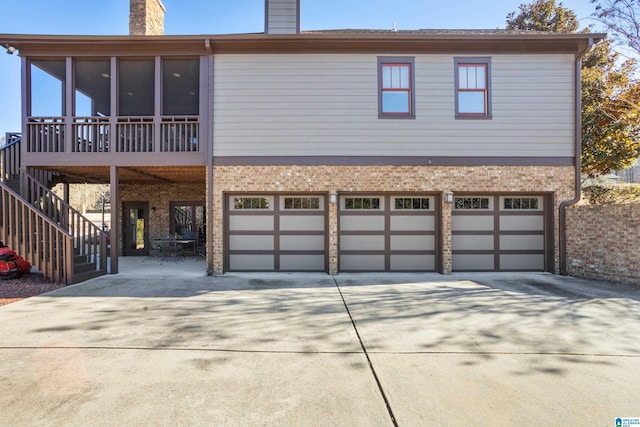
point(333, 238)
point(447, 258)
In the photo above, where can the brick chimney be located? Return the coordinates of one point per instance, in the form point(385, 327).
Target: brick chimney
point(146, 18)
point(282, 17)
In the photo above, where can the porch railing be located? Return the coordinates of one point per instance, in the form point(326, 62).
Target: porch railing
point(170, 134)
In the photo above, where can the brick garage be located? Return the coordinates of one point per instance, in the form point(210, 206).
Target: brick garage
point(379, 179)
point(603, 242)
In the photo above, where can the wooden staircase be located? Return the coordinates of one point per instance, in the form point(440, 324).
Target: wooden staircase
point(57, 239)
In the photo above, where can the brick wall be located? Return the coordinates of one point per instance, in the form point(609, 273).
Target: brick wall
point(146, 17)
point(479, 179)
point(603, 242)
point(159, 197)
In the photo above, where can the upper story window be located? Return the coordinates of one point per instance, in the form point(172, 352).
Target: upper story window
point(473, 87)
point(396, 87)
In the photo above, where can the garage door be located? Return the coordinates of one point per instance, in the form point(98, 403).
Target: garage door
point(387, 233)
point(499, 233)
point(276, 233)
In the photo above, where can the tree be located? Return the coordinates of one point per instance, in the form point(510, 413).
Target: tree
point(610, 112)
point(621, 18)
point(543, 15)
point(610, 92)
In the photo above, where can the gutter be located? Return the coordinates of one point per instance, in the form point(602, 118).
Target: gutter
point(562, 214)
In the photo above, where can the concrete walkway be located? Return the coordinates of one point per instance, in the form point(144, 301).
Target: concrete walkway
point(170, 346)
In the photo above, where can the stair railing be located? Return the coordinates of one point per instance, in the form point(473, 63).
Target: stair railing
point(36, 237)
point(89, 241)
point(10, 157)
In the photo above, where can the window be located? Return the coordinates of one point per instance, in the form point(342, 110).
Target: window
point(521, 203)
point(473, 87)
point(303, 203)
point(395, 88)
point(92, 84)
point(250, 203)
point(411, 203)
point(471, 203)
point(361, 203)
point(189, 219)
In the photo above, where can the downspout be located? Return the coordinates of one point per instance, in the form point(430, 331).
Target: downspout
point(562, 214)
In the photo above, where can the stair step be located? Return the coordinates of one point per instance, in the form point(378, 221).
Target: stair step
point(83, 267)
point(81, 277)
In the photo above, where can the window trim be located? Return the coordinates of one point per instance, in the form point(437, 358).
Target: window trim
point(397, 60)
point(460, 61)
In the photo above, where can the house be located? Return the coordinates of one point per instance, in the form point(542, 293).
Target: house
point(334, 151)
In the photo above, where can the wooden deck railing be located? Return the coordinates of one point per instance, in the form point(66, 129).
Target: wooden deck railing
point(171, 134)
point(36, 237)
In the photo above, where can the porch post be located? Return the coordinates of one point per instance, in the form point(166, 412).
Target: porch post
point(114, 232)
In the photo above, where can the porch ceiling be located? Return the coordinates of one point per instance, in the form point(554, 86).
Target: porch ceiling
point(132, 174)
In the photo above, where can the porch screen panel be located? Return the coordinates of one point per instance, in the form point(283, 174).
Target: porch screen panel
point(136, 87)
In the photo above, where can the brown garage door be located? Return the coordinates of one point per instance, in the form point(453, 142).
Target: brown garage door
point(387, 232)
point(276, 233)
point(500, 233)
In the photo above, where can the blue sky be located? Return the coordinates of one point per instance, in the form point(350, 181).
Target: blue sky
point(237, 16)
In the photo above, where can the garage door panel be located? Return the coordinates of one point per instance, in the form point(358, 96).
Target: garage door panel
point(251, 262)
point(522, 262)
point(302, 243)
point(302, 262)
point(473, 262)
point(362, 223)
point(251, 223)
point(362, 243)
point(473, 242)
point(412, 223)
point(522, 242)
point(472, 223)
point(302, 223)
point(362, 262)
point(276, 233)
point(260, 243)
point(413, 262)
point(412, 243)
point(522, 222)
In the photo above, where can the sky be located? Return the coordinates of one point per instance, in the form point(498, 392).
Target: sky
point(83, 17)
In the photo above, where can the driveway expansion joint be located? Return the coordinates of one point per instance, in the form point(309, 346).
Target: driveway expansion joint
point(366, 354)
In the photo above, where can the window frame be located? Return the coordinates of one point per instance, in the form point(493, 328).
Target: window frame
point(473, 61)
point(386, 61)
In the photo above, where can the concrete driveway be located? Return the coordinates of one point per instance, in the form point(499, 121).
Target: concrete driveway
point(152, 348)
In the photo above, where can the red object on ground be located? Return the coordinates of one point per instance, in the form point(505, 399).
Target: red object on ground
point(12, 265)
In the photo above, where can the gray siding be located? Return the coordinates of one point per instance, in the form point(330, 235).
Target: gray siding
point(326, 105)
point(281, 17)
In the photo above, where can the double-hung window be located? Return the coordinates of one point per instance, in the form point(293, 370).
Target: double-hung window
point(473, 87)
point(396, 87)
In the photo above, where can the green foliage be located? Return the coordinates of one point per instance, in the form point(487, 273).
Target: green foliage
point(610, 91)
point(614, 193)
point(543, 15)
